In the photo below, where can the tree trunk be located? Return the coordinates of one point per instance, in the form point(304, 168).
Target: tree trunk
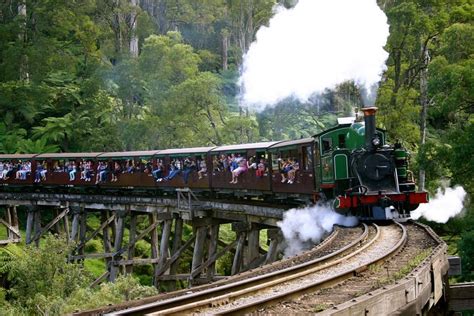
point(225, 48)
point(133, 29)
point(24, 73)
point(424, 110)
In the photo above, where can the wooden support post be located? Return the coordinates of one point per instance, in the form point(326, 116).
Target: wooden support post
point(76, 211)
point(274, 235)
point(29, 223)
point(8, 219)
point(37, 225)
point(66, 223)
point(82, 230)
point(177, 241)
point(212, 249)
point(164, 245)
point(154, 247)
point(50, 224)
point(198, 253)
point(57, 227)
point(211, 260)
point(132, 240)
point(14, 216)
point(238, 257)
point(119, 230)
point(105, 219)
point(253, 246)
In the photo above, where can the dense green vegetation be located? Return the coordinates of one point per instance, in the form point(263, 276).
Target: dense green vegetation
point(104, 75)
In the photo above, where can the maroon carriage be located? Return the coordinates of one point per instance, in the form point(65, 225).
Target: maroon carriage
point(17, 169)
point(254, 174)
point(65, 168)
point(293, 167)
point(184, 167)
point(127, 169)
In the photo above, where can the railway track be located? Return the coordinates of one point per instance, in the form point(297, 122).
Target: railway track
point(331, 254)
point(340, 240)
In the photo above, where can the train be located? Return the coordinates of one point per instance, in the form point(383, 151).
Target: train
point(350, 165)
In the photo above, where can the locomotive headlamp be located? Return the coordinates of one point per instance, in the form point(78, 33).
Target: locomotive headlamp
point(376, 141)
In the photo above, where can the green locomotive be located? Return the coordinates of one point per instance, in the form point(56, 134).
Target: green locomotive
point(362, 173)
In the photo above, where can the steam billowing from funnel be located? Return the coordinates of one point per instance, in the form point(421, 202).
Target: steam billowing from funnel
point(447, 203)
point(302, 228)
point(315, 45)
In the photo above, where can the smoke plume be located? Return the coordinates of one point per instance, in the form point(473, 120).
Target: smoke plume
point(447, 203)
point(313, 46)
point(302, 228)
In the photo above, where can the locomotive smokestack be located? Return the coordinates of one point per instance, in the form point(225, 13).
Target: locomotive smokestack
point(369, 119)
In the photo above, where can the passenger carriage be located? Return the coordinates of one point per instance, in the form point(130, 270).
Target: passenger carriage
point(55, 165)
point(301, 152)
point(248, 183)
point(16, 160)
point(188, 175)
point(135, 169)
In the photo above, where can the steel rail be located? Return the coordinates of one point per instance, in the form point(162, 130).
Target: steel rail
point(246, 274)
point(323, 283)
point(242, 285)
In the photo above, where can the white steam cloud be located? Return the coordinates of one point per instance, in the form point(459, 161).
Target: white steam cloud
point(302, 228)
point(315, 45)
point(447, 203)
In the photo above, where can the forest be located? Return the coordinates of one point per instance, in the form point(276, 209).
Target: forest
point(114, 75)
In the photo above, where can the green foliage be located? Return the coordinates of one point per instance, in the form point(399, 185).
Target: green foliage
point(41, 281)
point(466, 252)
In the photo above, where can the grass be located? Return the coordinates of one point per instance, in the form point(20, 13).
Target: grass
point(319, 308)
point(452, 242)
point(406, 269)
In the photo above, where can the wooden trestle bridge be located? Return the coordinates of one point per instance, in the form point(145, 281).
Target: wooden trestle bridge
point(71, 213)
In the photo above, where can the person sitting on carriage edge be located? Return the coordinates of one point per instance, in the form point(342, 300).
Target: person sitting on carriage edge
point(175, 169)
point(202, 168)
point(188, 166)
point(157, 171)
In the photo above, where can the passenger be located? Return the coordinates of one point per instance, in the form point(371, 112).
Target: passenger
point(72, 169)
point(8, 171)
point(101, 172)
point(260, 168)
point(130, 167)
point(189, 166)
point(252, 163)
point(39, 169)
point(88, 171)
point(202, 168)
point(104, 173)
point(292, 173)
point(234, 162)
point(175, 169)
point(44, 171)
point(284, 170)
point(23, 172)
point(224, 162)
point(216, 164)
point(117, 170)
point(82, 167)
point(157, 171)
point(242, 167)
point(19, 168)
point(1, 170)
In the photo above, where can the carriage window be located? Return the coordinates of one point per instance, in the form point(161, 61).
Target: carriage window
point(342, 140)
point(327, 145)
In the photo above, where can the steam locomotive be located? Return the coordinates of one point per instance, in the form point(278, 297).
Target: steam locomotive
point(350, 164)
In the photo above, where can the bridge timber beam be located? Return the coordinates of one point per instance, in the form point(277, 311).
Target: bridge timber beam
point(115, 216)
